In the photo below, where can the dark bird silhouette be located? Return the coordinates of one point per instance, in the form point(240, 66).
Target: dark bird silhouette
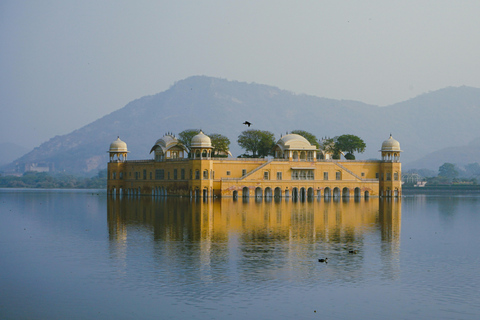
point(353, 251)
point(247, 123)
point(323, 260)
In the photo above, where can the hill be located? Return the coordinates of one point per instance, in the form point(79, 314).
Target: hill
point(422, 125)
point(460, 155)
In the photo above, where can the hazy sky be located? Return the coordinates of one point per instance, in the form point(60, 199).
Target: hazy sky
point(64, 64)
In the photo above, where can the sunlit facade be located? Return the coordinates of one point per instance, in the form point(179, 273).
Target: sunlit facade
point(295, 172)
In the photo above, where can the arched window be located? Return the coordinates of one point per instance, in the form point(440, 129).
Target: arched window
point(310, 175)
point(303, 175)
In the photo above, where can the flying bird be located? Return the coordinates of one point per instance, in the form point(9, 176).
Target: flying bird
point(247, 123)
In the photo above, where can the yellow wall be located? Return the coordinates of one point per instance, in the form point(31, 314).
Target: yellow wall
point(225, 176)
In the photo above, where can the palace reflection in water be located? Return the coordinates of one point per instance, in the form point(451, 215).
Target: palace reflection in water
point(258, 235)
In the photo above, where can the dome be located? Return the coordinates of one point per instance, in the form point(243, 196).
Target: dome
point(201, 140)
point(118, 146)
point(166, 142)
point(294, 141)
point(390, 145)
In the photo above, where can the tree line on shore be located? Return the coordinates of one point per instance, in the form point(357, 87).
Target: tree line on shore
point(448, 174)
point(31, 179)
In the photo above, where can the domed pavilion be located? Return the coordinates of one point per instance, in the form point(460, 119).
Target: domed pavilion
point(168, 147)
point(118, 151)
point(295, 147)
point(391, 150)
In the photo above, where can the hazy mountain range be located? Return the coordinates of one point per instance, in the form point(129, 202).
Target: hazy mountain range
point(424, 125)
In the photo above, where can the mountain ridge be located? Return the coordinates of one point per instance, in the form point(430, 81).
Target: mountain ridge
point(220, 106)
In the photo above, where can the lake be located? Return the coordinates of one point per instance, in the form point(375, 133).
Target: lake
point(80, 254)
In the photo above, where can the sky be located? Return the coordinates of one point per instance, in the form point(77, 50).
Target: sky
point(64, 64)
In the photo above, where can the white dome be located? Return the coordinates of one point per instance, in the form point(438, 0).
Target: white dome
point(294, 142)
point(391, 145)
point(201, 140)
point(167, 142)
point(118, 146)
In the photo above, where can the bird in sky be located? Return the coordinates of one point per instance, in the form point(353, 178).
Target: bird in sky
point(247, 123)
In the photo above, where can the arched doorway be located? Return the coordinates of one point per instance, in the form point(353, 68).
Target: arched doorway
point(345, 192)
point(303, 194)
point(268, 192)
point(367, 194)
point(327, 193)
point(235, 194)
point(310, 193)
point(287, 193)
point(357, 192)
point(336, 192)
point(245, 192)
point(258, 192)
point(278, 192)
point(295, 193)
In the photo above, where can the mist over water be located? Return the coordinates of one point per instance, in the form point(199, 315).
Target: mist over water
point(82, 254)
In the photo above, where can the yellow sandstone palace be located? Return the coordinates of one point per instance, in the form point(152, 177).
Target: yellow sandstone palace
point(294, 172)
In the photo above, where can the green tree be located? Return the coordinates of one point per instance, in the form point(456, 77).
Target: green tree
point(447, 170)
point(220, 143)
point(350, 143)
point(259, 142)
point(309, 136)
point(185, 137)
point(329, 146)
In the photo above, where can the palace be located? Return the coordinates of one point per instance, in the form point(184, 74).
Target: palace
point(294, 172)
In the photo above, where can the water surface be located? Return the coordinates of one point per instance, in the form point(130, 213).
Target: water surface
point(82, 255)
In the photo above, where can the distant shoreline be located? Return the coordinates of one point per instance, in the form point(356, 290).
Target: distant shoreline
point(441, 189)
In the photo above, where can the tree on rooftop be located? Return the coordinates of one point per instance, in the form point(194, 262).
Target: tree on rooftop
point(220, 143)
point(329, 146)
point(350, 143)
point(259, 142)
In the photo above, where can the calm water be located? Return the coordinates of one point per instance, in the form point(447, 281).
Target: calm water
point(81, 255)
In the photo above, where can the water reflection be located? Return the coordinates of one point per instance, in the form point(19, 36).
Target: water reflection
point(257, 240)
